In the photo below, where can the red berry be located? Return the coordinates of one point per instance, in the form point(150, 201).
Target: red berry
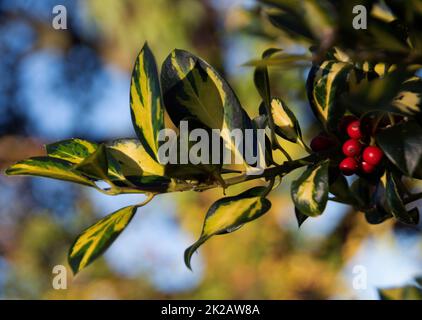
point(345, 121)
point(366, 167)
point(372, 155)
point(353, 130)
point(321, 143)
point(348, 166)
point(351, 148)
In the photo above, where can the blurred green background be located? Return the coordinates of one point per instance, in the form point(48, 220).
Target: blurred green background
point(57, 84)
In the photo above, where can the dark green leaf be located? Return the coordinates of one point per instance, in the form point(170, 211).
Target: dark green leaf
point(362, 190)
point(377, 214)
point(340, 189)
point(396, 205)
point(300, 217)
point(402, 144)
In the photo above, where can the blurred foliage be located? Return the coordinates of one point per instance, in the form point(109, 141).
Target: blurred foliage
point(266, 260)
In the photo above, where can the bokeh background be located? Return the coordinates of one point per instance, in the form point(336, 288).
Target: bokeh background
point(57, 84)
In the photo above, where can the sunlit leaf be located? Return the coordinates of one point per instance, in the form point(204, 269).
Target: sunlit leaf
point(325, 84)
point(72, 150)
point(310, 191)
point(95, 165)
point(92, 242)
point(146, 101)
point(50, 168)
point(409, 99)
point(229, 214)
point(193, 89)
point(286, 124)
point(134, 159)
point(78, 150)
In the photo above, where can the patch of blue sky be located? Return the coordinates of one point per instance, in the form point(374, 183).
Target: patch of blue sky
point(55, 116)
point(110, 117)
point(317, 227)
point(12, 42)
point(4, 271)
point(389, 261)
point(52, 114)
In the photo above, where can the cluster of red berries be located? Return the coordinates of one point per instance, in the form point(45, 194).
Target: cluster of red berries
point(358, 156)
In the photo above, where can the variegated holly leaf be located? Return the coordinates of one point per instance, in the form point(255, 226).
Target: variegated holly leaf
point(194, 160)
point(92, 242)
point(72, 150)
point(139, 168)
point(325, 84)
point(409, 99)
point(78, 151)
point(286, 124)
point(396, 205)
point(193, 89)
point(95, 165)
point(146, 101)
point(262, 84)
point(134, 159)
point(49, 167)
point(397, 91)
point(229, 214)
point(310, 191)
